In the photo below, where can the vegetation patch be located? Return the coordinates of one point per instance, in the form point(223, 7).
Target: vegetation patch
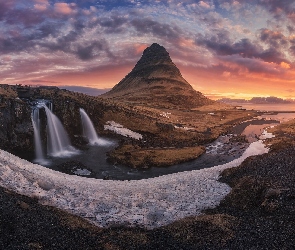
point(137, 157)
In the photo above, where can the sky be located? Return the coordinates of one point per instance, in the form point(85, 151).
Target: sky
point(234, 48)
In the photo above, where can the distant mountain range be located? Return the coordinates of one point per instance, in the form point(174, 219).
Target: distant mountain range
point(259, 100)
point(86, 90)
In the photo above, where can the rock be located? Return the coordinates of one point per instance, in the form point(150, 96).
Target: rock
point(76, 168)
point(24, 205)
point(166, 127)
point(272, 193)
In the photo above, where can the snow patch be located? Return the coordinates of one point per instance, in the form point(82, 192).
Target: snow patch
point(119, 129)
point(165, 114)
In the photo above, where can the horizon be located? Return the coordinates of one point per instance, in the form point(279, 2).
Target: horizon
point(97, 92)
point(224, 49)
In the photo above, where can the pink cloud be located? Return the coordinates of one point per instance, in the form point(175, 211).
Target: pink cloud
point(42, 2)
point(64, 8)
point(40, 7)
point(204, 5)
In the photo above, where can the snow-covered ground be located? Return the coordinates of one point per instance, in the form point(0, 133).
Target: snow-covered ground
point(149, 203)
point(120, 130)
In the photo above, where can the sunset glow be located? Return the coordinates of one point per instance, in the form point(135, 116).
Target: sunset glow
point(224, 48)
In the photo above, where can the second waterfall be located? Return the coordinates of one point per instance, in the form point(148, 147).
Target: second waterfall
point(89, 131)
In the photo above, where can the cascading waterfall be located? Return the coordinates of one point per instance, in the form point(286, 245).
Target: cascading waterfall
point(39, 153)
point(58, 143)
point(89, 131)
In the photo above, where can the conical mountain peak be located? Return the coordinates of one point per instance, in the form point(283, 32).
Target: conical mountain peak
point(155, 55)
point(155, 78)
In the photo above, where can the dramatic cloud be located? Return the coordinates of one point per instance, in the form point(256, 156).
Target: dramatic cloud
point(47, 41)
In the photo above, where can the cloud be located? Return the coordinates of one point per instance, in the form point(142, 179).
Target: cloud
point(205, 5)
point(64, 8)
point(42, 1)
point(285, 65)
point(279, 8)
point(222, 45)
point(5, 7)
point(86, 90)
point(275, 39)
point(226, 74)
point(43, 81)
point(147, 26)
point(113, 24)
point(87, 52)
point(40, 7)
point(245, 66)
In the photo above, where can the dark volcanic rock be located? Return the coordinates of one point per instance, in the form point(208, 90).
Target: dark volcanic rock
point(156, 81)
point(16, 131)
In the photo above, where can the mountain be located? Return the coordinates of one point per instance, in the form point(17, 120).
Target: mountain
point(156, 81)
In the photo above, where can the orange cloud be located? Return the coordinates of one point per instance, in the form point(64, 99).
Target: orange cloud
point(226, 74)
point(285, 65)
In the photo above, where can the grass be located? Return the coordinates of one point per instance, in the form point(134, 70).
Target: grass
point(136, 157)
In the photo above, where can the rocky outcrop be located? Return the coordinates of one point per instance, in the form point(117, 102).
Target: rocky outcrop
point(156, 81)
point(16, 131)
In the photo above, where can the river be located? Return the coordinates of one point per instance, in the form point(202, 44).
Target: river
point(224, 149)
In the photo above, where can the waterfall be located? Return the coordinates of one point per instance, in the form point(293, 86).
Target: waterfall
point(58, 143)
point(50, 106)
point(39, 153)
point(89, 131)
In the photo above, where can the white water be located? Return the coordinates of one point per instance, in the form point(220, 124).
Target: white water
point(89, 131)
point(58, 142)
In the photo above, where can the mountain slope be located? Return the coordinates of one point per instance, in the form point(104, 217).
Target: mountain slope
point(156, 81)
